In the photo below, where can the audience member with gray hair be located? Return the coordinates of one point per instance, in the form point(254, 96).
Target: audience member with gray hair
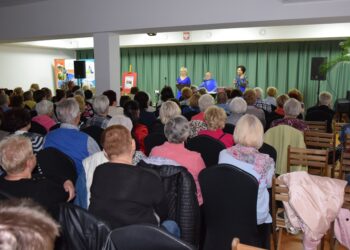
point(69, 140)
point(101, 107)
point(292, 109)
point(4, 102)
point(260, 102)
point(45, 113)
point(177, 130)
point(204, 102)
point(238, 107)
point(168, 110)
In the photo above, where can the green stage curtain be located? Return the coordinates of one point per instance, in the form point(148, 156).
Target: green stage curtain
point(285, 65)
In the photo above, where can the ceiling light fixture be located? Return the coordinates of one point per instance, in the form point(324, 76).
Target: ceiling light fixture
point(152, 33)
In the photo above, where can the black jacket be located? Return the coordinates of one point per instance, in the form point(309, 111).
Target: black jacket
point(180, 193)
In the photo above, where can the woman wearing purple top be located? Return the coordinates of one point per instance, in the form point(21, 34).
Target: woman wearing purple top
point(183, 79)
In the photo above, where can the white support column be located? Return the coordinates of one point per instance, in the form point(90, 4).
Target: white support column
point(107, 62)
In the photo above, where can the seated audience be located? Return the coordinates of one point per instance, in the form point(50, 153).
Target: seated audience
point(48, 93)
point(16, 101)
point(250, 97)
point(88, 96)
point(186, 94)
point(68, 137)
point(29, 100)
point(4, 102)
point(176, 131)
point(113, 109)
point(193, 106)
point(3, 133)
point(60, 94)
point(292, 109)
point(18, 121)
point(322, 111)
point(215, 118)
point(278, 113)
point(34, 87)
point(244, 155)
point(260, 103)
point(18, 161)
point(168, 110)
point(238, 107)
point(165, 94)
point(124, 99)
point(133, 92)
point(18, 91)
point(25, 225)
point(296, 94)
point(271, 96)
point(81, 102)
point(136, 191)
point(101, 109)
point(139, 131)
point(85, 107)
point(202, 91)
point(39, 95)
point(204, 102)
point(146, 118)
point(221, 101)
point(235, 93)
point(44, 110)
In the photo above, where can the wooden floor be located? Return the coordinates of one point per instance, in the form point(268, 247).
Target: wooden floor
point(294, 242)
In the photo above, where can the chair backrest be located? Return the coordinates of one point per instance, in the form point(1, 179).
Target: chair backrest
point(208, 147)
point(320, 126)
point(37, 128)
point(346, 203)
point(152, 140)
point(347, 143)
point(269, 150)
point(320, 116)
point(319, 140)
point(344, 165)
point(52, 162)
point(95, 132)
point(315, 159)
point(145, 237)
point(280, 192)
point(228, 211)
point(337, 126)
point(229, 128)
point(80, 229)
point(236, 245)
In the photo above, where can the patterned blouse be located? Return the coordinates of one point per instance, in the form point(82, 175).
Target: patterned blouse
point(293, 122)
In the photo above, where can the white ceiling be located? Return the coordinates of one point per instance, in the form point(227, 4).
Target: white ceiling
point(5, 3)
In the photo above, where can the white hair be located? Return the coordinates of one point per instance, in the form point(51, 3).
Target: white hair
point(168, 110)
point(120, 120)
point(205, 101)
point(259, 92)
point(44, 107)
point(177, 129)
point(101, 104)
point(325, 98)
point(249, 132)
point(238, 105)
point(68, 110)
point(4, 99)
point(292, 107)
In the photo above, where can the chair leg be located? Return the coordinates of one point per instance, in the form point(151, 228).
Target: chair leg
point(280, 234)
point(274, 237)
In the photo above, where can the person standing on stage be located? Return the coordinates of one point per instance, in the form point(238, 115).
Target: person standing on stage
point(209, 83)
point(241, 81)
point(183, 79)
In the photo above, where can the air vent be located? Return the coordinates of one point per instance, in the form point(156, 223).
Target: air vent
point(4, 3)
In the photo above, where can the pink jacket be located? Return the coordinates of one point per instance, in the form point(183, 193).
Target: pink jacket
point(44, 120)
point(314, 203)
point(342, 227)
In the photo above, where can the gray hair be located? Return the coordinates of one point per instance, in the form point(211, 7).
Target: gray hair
point(292, 107)
point(168, 110)
point(101, 104)
point(259, 92)
point(205, 101)
point(177, 129)
point(4, 99)
point(238, 105)
point(44, 107)
point(68, 110)
point(120, 120)
point(325, 98)
point(79, 92)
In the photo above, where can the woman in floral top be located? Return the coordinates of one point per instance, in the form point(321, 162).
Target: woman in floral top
point(248, 137)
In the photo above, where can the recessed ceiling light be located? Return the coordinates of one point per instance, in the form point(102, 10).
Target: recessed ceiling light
point(152, 34)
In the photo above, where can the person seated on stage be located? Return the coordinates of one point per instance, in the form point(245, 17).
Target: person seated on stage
point(18, 121)
point(248, 137)
point(186, 94)
point(292, 109)
point(123, 194)
point(271, 96)
point(215, 118)
point(25, 225)
point(18, 161)
point(139, 131)
point(147, 118)
point(209, 83)
point(101, 108)
point(260, 103)
point(176, 131)
point(204, 102)
point(183, 79)
point(250, 97)
point(29, 100)
point(241, 82)
point(278, 113)
point(168, 110)
point(221, 101)
point(44, 110)
point(113, 109)
point(238, 107)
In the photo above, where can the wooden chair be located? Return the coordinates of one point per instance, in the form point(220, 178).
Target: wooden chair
point(317, 126)
point(315, 159)
point(280, 192)
point(236, 245)
point(318, 140)
point(344, 165)
point(347, 143)
point(337, 127)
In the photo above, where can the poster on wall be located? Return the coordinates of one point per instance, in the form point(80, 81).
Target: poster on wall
point(64, 72)
point(129, 80)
